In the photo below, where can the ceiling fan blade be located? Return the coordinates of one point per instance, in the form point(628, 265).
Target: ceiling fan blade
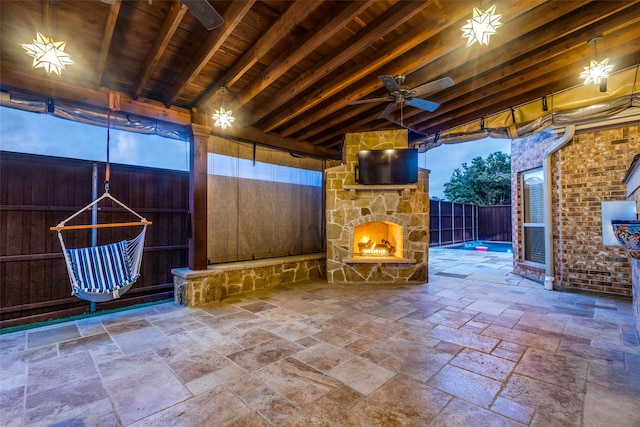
point(431, 87)
point(205, 13)
point(367, 100)
point(390, 83)
point(423, 104)
point(388, 109)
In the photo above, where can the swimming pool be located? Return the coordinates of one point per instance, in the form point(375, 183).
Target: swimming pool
point(484, 246)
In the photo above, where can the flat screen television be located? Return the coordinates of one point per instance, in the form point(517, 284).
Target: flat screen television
point(387, 167)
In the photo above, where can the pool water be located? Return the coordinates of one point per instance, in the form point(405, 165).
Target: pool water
point(479, 246)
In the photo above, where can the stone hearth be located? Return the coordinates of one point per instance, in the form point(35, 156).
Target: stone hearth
point(386, 216)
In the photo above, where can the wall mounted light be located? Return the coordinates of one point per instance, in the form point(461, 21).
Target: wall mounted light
point(481, 26)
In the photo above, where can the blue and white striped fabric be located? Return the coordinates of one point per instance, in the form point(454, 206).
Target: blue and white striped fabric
point(102, 268)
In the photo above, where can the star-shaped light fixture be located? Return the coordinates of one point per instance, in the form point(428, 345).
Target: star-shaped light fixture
point(598, 71)
point(482, 25)
point(222, 117)
point(48, 54)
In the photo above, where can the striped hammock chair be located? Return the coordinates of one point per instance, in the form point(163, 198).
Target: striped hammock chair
point(102, 273)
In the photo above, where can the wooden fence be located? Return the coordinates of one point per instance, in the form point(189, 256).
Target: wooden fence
point(494, 223)
point(38, 192)
point(452, 223)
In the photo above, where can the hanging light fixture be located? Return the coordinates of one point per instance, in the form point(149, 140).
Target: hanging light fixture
point(222, 117)
point(481, 26)
point(48, 54)
point(598, 71)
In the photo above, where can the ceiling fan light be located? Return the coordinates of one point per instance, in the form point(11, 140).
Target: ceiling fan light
point(481, 26)
point(596, 72)
point(48, 54)
point(223, 118)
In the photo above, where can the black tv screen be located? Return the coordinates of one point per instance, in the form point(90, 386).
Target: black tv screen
point(387, 167)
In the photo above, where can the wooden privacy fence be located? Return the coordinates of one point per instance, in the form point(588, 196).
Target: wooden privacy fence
point(452, 223)
point(38, 192)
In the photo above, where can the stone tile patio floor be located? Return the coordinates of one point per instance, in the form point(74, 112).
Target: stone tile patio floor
point(476, 346)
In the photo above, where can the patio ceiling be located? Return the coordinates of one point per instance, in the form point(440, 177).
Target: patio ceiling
point(293, 68)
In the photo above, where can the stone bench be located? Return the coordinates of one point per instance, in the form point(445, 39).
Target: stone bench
point(196, 287)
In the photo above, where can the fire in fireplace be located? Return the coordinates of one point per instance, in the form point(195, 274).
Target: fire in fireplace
point(370, 248)
point(377, 239)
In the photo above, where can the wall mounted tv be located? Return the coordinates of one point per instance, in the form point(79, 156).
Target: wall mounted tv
point(387, 167)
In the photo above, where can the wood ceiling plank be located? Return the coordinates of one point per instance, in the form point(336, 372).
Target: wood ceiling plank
point(520, 36)
point(381, 26)
point(521, 88)
point(295, 13)
point(326, 29)
point(107, 35)
point(620, 25)
point(169, 27)
point(396, 48)
point(217, 37)
point(434, 48)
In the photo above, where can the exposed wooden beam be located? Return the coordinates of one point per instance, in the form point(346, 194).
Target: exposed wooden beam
point(436, 47)
point(400, 46)
point(323, 31)
point(217, 37)
point(169, 27)
point(384, 24)
point(295, 13)
point(613, 24)
point(107, 35)
point(537, 85)
point(57, 89)
point(254, 135)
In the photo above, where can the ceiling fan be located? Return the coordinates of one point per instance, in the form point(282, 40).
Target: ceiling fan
point(400, 95)
point(201, 9)
point(205, 13)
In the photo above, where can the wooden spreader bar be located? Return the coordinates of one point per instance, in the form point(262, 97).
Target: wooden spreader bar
point(105, 225)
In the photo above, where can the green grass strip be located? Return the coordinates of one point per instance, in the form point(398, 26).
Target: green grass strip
point(79, 317)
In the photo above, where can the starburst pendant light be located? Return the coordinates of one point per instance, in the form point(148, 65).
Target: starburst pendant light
point(482, 25)
point(598, 71)
point(48, 54)
point(222, 117)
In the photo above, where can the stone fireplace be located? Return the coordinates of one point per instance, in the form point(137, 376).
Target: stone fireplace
point(376, 233)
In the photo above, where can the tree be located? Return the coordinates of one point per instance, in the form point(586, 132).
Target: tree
point(486, 182)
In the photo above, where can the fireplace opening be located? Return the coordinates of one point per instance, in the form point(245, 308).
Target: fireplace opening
point(377, 239)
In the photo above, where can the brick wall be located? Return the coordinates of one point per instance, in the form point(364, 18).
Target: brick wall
point(592, 167)
point(526, 154)
point(585, 172)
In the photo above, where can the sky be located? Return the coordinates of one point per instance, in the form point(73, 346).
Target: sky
point(65, 138)
point(20, 132)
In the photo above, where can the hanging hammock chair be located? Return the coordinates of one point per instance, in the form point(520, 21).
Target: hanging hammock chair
point(103, 273)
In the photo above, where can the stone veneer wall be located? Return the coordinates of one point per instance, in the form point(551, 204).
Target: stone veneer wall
point(193, 288)
point(586, 172)
point(347, 208)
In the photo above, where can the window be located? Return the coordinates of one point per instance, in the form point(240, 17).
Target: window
point(48, 135)
point(533, 216)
